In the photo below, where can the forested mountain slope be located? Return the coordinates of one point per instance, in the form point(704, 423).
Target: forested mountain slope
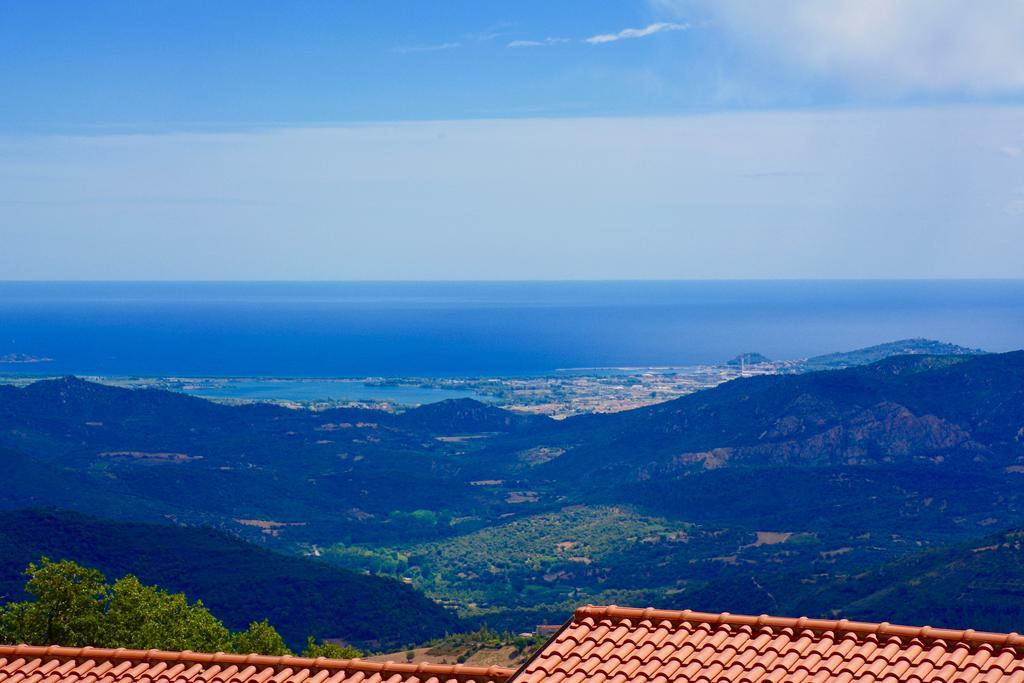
point(239, 582)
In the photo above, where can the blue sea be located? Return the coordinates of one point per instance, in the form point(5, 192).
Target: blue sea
point(362, 329)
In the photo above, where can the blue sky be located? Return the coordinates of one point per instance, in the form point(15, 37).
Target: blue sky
point(448, 140)
point(186, 63)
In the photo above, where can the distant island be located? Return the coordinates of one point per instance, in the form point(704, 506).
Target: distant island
point(749, 359)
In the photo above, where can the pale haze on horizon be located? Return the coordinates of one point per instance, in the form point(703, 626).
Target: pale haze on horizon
point(659, 140)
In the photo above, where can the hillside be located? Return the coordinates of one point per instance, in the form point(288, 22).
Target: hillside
point(978, 583)
point(545, 559)
point(149, 455)
point(934, 443)
point(239, 582)
point(873, 354)
point(538, 569)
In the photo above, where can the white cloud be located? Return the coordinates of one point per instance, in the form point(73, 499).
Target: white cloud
point(900, 46)
point(538, 43)
point(648, 30)
point(428, 48)
point(912, 192)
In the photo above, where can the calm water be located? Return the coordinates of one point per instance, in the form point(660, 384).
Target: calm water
point(512, 328)
point(312, 390)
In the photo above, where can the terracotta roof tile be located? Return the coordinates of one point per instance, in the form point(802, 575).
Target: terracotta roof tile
point(614, 644)
point(33, 664)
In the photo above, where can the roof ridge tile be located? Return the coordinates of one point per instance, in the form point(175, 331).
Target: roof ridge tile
point(614, 612)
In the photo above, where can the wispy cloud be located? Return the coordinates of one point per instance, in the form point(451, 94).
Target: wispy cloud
point(483, 36)
point(626, 33)
point(604, 37)
point(538, 43)
point(427, 48)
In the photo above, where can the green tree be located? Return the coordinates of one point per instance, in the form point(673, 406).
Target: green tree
point(75, 606)
point(68, 608)
point(329, 650)
point(146, 617)
point(261, 638)
point(12, 618)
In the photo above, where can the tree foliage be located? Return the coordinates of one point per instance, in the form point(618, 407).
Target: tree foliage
point(329, 650)
point(68, 608)
point(260, 638)
point(144, 617)
point(76, 606)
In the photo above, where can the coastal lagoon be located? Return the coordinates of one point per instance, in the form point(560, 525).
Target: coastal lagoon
point(318, 390)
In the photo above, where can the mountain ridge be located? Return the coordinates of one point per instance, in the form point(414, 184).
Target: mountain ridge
point(946, 401)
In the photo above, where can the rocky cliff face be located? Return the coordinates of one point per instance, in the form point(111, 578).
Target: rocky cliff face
point(885, 433)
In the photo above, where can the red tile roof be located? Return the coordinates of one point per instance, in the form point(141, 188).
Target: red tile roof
point(613, 644)
point(620, 644)
point(32, 664)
